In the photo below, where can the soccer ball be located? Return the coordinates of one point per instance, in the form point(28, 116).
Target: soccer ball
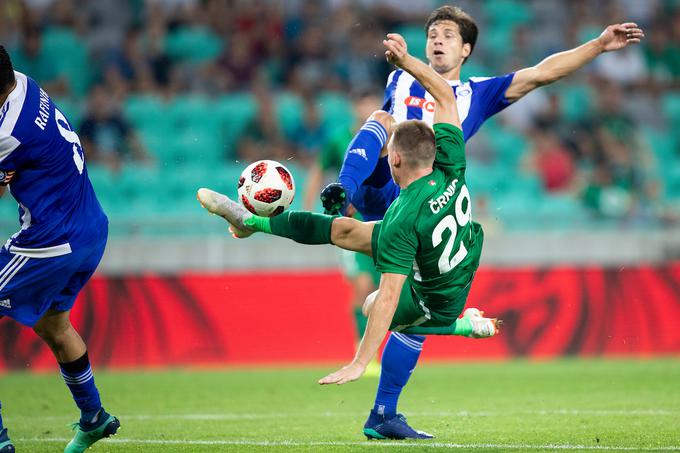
point(266, 188)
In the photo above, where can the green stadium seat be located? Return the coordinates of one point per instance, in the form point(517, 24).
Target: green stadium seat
point(507, 13)
point(559, 211)
point(148, 112)
point(289, 109)
point(72, 59)
point(509, 146)
point(671, 108)
point(415, 38)
point(106, 186)
point(193, 44)
point(336, 111)
point(236, 111)
point(576, 101)
point(198, 130)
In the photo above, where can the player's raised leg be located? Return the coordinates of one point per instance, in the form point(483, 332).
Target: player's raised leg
point(303, 227)
point(71, 353)
point(360, 162)
point(6, 445)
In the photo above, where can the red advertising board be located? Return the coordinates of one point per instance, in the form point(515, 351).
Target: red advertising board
point(305, 317)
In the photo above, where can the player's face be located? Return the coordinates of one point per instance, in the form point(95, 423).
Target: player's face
point(444, 48)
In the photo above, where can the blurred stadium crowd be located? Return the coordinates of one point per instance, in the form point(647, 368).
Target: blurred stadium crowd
point(170, 95)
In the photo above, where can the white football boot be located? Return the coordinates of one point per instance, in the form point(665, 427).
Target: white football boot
point(481, 327)
point(223, 206)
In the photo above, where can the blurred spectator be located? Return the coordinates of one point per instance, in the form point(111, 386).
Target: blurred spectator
point(262, 137)
point(105, 135)
point(662, 55)
point(310, 135)
point(551, 160)
point(238, 63)
point(147, 55)
point(30, 58)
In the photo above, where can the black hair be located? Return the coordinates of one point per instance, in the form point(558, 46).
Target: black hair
point(6, 71)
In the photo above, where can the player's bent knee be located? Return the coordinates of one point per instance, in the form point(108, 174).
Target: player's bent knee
point(341, 230)
point(368, 303)
point(383, 118)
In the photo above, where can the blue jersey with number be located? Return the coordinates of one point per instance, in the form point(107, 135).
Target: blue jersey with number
point(478, 99)
point(42, 159)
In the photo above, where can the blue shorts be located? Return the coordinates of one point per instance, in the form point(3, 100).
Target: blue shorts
point(31, 285)
point(377, 193)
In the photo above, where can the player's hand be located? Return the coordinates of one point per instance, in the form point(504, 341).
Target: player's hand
point(618, 36)
point(346, 374)
point(397, 50)
point(334, 199)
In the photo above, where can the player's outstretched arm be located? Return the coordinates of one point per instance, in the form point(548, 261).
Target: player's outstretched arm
point(561, 64)
point(379, 320)
point(445, 101)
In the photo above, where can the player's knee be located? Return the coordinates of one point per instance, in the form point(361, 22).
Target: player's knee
point(52, 332)
point(383, 118)
point(341, 229)
point(368, 303)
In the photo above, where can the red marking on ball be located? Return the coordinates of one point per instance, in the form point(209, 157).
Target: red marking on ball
point(258, 171)
point(287, 178)
point(247, 204)
point(268, 195)
point(241, 180)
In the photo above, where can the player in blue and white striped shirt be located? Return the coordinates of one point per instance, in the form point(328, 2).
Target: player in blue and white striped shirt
point(62, 238)
point(366, 183)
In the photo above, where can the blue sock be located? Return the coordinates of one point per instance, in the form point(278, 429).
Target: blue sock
point(80, 380)
point(398, 361)
point(1, 426)
point(362, 156)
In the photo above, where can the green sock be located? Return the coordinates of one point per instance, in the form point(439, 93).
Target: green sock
point(258, 223)
point(462, 327)
point(303, 227)
point(360, 322)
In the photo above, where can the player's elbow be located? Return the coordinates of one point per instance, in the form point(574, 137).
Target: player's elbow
point(541, 76)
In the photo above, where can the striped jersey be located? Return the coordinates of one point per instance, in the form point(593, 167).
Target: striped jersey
point(42, 160)
point(478, 99)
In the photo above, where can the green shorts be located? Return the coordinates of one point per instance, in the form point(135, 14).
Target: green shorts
point(412, 311)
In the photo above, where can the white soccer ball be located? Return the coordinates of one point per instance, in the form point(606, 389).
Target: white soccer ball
point(266, 188)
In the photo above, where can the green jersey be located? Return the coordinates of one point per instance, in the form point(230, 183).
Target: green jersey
point(427, 232)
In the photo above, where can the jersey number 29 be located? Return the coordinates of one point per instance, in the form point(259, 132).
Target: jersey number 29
point(462, 218)
point(71, 137)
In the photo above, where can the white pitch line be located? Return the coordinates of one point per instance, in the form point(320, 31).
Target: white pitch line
point(278, 415)
point(402, 444)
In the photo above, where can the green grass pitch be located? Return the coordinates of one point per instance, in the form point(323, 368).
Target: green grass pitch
point(566, 405)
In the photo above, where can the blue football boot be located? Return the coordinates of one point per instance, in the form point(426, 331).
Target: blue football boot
point(395, 427)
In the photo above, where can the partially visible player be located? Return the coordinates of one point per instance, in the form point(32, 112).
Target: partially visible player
point(358, 269)
point(451, 36)
point(365, 181)
point(427, 247)
point(62, 238)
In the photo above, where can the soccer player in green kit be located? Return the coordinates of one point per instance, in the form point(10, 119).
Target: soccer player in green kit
point(427, 247)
